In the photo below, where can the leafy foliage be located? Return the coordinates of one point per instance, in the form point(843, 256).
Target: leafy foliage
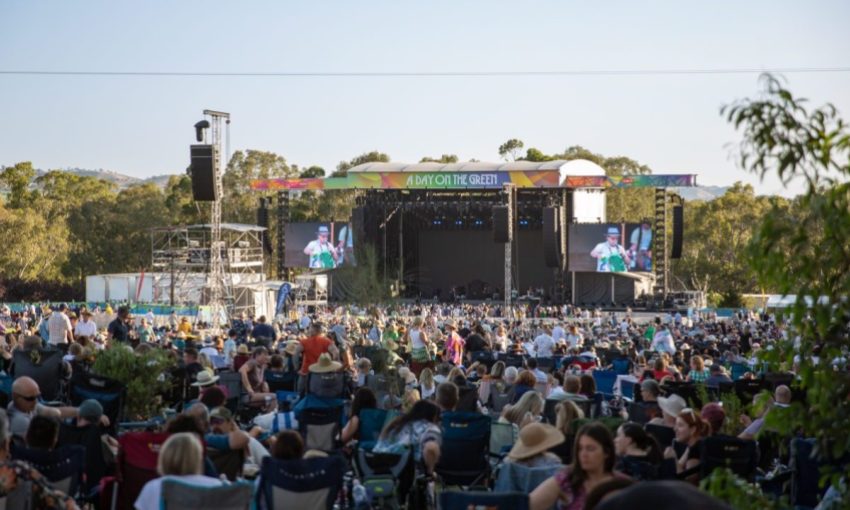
point(139, 372)
point(808, 257)
point(727, 486)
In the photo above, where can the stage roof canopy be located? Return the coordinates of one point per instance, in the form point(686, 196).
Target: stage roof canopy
point(563, 167)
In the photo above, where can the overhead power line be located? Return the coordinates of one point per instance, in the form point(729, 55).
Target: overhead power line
point(403, 74)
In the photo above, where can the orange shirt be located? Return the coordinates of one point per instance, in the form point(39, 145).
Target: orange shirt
point(313, 346)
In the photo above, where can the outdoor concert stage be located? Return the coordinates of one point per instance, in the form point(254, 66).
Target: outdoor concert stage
point(438, 234)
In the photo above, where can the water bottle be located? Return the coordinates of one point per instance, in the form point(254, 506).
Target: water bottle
point(361, 497)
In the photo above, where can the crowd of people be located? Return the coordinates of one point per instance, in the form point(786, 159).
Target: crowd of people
point(537, 372)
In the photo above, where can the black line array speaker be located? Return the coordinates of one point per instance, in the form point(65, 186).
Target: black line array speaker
point(678, 231)
point(501, 224)
point(358, 224)
point(263, 221)
point(203, 173)
point(551, 236)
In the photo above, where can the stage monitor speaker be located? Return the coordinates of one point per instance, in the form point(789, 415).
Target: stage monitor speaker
point(203, 173)
point(501, 224)
point(678, 231)
point(551, 238)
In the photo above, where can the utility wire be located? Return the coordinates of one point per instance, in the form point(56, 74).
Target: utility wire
point(403, 74)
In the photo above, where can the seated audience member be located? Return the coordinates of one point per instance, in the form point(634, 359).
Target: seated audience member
point(670, 408)
point(221, 423)
point(24, 406)
point(781, 400)
point(533, 443)
point(419, 429)
point(233, 440)
point(288, 445)
point(566, 414)
point(181, 458)
point(364, 398)
point(569, 391)
point(698, 372)
point(447, 397)
point(593, 464)
point(43, 433)
point(427, 384)
point(690, 430)
point(17, 473)
point(213, 397)
point(632, 443)
point(364, 369)
point(528, 410)
point(242, 355)
point(717, 375)
point(588, 386)
point(253, 380)
point(525, 381)
point(714, 415)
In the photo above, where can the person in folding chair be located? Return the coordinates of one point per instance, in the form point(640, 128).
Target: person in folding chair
point(181, 458)
point(418, 429)
point(14, 474)
point(593, 464)
point(25, 405)
point(253, 381)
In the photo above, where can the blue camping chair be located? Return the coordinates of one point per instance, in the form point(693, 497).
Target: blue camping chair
point(371, 424)
point(455, 500)
point(605, 380)
point(301, 483)
point(177, 495)
point(465, 449)
point(63, 467)
point(110, 393)
point(320, 423)
point(627, 389)
point(513, 477)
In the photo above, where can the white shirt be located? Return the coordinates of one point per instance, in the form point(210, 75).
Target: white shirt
point(573, 340)
point(543, 345)
point(149, 498)
point(209, 351)
point(150, 317)
point(558, 333)
point(85, 328)
point(663, 342)
point(58, 324)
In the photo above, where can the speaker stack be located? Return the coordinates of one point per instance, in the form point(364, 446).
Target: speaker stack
point(551, 236)
point(202, 170)
point(501, 224)
point(678, 231)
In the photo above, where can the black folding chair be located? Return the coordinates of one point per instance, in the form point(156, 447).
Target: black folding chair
point(739, 455)
point(44, 366)
point(111, 395)
point(466, 445)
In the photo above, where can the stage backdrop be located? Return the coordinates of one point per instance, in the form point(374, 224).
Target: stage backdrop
point(470, 259)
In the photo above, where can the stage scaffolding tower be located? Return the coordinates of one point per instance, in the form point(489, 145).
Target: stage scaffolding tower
point(508, 195)
point(220, 289)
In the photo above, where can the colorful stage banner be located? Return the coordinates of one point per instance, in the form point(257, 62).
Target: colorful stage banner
point(472, 180)
point(630, 181)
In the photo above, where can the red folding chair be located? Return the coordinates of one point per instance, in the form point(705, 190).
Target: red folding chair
point(138, 453)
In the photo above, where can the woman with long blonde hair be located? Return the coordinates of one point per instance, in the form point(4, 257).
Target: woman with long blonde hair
point(528, 409)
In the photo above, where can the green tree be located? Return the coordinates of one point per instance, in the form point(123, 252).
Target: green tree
point(367, 157)
point(806, 257)
point(510, 150)
point(716, 238)
point(533, 154)
point(41, 254)
point(182, 208)
point(312, 172)
point(17, 179)
point(240, 202)
point(445, 158)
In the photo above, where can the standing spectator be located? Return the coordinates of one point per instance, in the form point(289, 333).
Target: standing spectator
point(454, 344)
point(86, 327)
point(118, 329)
point(263, 333)
point(544, 344)
point(59, 327)
point(314, 346)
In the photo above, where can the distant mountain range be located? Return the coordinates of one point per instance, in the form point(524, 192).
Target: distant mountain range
point(120, 180)
point(702, 192)
point(124, 181)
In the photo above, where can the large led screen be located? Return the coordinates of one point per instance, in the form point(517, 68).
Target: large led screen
point(319, 245)
point(610, 247)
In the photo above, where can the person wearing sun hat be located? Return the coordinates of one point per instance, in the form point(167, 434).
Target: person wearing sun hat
point(610, 255)
point(533, 444)
point(325, 365)
point(670, 408)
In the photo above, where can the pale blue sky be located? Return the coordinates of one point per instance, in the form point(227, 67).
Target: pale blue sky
point(142, 126)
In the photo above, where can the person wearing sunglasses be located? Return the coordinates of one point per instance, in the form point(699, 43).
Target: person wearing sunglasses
point(25, 405)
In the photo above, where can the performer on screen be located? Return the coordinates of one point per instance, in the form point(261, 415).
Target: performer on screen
point(321, 251)
point(345, 247)
point(610, 255)
point(640, 249)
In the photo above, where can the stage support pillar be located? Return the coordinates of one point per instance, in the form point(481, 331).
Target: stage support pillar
point(282, 221)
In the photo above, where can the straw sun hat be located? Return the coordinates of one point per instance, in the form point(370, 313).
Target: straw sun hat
point(205, 378)
point(325, 364)
point(672, 405)
point(535, 438)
